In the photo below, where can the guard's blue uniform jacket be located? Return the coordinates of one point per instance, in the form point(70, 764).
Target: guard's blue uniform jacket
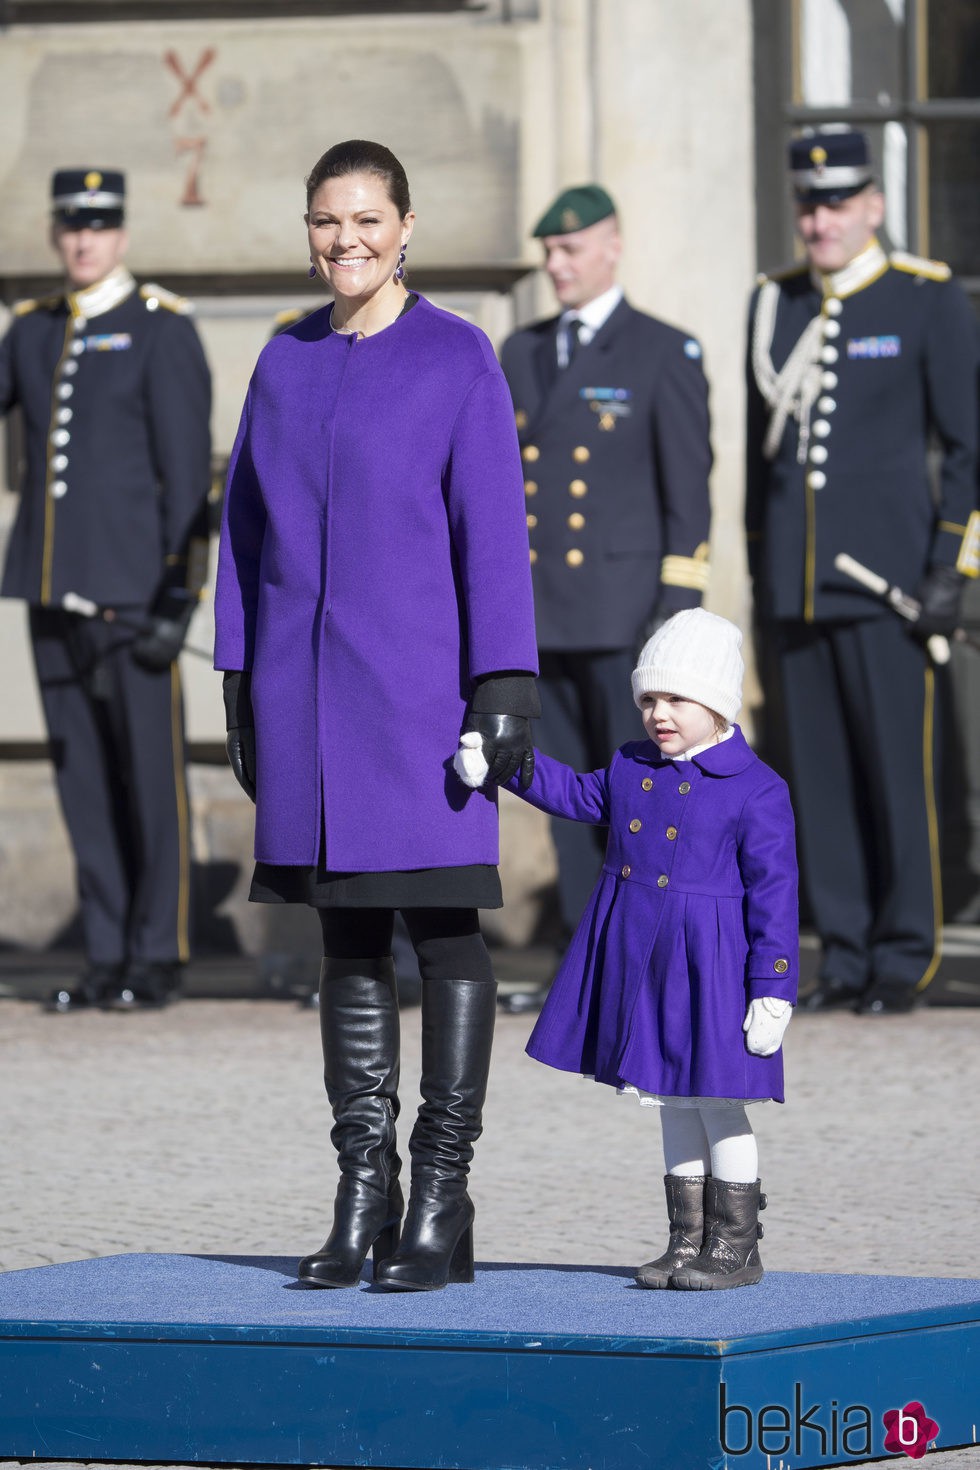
point(115, 395)
point(891, 359)
point(617, 454)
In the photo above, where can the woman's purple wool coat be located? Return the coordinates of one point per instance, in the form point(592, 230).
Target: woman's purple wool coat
point(373, 563)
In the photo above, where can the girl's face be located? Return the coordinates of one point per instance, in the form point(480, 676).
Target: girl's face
point(355, 234)
point(676, 724)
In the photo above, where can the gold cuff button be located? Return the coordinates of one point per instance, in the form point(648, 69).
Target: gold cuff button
point(671, 833)
point(635, 825)
point(662, 881)
point(576, 521)
point(530, 453)
point(575, 558)
point(625, 870)
point(580, 454)
point(781, 966)
point(578, 488)
point(646, 784)
point(684, 787)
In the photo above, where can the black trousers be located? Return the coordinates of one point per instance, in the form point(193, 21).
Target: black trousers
point(117, 741)
point(587, 713)
point(860, 710)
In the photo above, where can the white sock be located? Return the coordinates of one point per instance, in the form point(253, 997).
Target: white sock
point(734, 1152)
point(685, 1141)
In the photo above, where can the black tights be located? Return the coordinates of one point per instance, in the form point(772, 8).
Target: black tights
point(448, 942)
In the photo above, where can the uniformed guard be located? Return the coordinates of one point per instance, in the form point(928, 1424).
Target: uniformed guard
point(109, 550)
point(612, 416)
point(856, 357)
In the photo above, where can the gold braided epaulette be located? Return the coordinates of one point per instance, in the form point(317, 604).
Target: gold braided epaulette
point(40, 303)
point(156, 296)
point(919, 265)
point(784, 274)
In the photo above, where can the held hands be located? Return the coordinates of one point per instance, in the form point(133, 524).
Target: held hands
point(505, 747)
point(468, 762)
point(765, 1025)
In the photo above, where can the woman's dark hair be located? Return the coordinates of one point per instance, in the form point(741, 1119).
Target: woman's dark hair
point(360, 157)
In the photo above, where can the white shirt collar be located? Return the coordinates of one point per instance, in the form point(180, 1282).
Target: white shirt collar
point(855, 275)
point(594, 314)
point(688, 755)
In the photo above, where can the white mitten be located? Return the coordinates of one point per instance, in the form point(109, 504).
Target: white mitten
point(468, 762)
point(765, 1024)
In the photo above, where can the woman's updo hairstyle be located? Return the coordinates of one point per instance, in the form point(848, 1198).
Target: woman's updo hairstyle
point(360, 157)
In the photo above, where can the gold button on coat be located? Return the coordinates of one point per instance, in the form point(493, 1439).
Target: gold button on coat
point(635, 825)
point(684, 787)
point(530, 487)
point(531, 452)
point(625, 870)
point(580, 454)
point(576, 520)
point(662, 881)
point(532, 521)
point(647, 784)
point(575, 558)
point(781, 966)
point(578, 488)
point(533, 555)
point(671, 833)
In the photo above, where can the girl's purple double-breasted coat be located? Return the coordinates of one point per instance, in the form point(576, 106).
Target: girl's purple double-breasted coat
point(373, 563)
point(695, 913)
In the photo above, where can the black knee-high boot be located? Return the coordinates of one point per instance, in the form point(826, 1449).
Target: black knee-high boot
point(359, 1030)
point(457, 1036)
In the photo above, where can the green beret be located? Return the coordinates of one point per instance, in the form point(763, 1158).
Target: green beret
point(575, 209)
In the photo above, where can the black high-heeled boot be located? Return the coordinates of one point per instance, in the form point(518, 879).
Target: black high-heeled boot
point(360, 1035)
point(457, 1036)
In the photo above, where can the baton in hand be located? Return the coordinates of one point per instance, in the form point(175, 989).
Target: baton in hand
point(900, 602)
point(73, 602)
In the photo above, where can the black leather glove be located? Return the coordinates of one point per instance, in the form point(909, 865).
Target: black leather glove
point(161, 640)
point(240, 740)
point(939, 595)
point(507, 746)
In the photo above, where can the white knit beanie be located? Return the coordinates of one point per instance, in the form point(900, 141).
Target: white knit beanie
point(696, 654)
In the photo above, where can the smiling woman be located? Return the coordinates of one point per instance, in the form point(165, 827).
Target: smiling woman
point(359, 220)
point(374, 600)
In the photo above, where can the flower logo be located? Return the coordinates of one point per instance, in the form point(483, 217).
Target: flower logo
point(909, 1430)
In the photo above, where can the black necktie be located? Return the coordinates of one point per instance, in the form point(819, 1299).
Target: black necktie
point(572, 339)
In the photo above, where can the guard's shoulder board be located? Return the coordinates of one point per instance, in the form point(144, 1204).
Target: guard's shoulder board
point(919, 265)
point(156, 296)
point(786, 273)
point(289, 316)
point(39, 303)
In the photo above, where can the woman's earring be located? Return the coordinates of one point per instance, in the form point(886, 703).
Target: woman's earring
point(400, 267)
point(312, 270)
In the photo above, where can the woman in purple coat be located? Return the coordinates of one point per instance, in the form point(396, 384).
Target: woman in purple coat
point(680, 978)
point(373, 600)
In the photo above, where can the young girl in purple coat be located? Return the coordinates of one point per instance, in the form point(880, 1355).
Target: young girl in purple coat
point(680, 979)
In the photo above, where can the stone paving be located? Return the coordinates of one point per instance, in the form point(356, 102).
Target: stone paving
point(203, 1128)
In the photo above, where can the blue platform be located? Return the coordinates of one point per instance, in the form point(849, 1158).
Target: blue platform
point(228, 1358)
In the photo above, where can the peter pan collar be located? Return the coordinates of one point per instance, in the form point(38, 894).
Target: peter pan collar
point(727, 759)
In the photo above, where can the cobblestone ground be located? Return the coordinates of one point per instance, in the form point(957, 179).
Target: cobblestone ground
point(203, 1128)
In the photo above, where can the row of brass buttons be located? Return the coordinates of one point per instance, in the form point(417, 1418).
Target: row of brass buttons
point(531, 454)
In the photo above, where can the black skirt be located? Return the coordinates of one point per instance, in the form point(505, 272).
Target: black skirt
point(476, 886)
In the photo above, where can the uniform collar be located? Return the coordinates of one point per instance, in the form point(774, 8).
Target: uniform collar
point(726, 759)
point(103, 296)
point(858, 273)
point(594, 314)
